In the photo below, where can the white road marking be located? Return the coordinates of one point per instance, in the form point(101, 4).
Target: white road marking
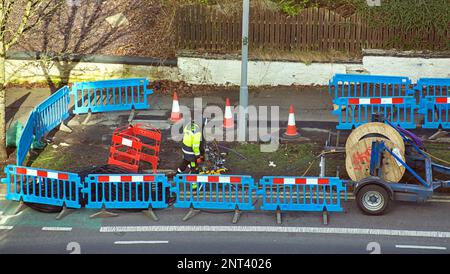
point(139, 242)
point(46, 228)
point(421, 247)
point(276, 229)
point(6, 227)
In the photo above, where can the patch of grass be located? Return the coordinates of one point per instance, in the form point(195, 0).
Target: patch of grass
point(289, 159)
point(68, 158)
point(51, 158)
point(440, 150)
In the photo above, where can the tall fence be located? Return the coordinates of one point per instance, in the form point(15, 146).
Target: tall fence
point(42, 186)
point(126, 191)
point(110, 95)
point(434, 102)
point(358, 97)
point(301, 193)
point(318, 29)
point(52, 112)
point(44, 118)
point(26, 138)
point(214, 191)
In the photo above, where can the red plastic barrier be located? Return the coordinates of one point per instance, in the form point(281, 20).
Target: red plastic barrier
point(132, 145)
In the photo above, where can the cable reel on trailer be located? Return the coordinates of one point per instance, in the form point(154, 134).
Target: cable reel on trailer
point(372, 192)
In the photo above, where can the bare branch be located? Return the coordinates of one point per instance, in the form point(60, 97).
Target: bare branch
point(44, 12)
point(22, 25)
point(40, 9)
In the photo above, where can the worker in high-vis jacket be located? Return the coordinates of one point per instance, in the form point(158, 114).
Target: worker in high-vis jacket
point(192, 148)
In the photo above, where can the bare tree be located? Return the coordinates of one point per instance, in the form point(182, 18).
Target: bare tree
point(79, 30)
point(16, 18)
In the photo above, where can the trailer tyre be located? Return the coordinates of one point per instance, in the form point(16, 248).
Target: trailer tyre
point(373, 200)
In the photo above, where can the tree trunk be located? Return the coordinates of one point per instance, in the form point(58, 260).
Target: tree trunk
point(3, 154)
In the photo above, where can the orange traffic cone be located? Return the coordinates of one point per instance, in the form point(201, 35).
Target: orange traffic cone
point(228, 121)
point(291, 130)
point(175, 116)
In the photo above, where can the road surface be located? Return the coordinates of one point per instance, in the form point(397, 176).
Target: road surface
point(407, 228)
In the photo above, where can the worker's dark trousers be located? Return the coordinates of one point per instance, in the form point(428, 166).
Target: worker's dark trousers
point(184, 164)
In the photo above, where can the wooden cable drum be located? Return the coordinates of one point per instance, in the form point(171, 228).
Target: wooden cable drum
point(358, 152)
point(375, 129)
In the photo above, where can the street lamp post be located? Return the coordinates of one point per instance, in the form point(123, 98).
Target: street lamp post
point(243, 94)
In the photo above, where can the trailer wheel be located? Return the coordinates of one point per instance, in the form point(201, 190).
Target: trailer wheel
point(373, 200)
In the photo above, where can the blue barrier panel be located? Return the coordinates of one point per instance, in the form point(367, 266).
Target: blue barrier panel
point(354, 111)
point(357, 97)
point(42, 186)
point(126, 191)
point(360, 85)
point(434, 102)
point(301, 193)
point(111, 95)
point(52, 112)
point(26, 138)
point(214, 191)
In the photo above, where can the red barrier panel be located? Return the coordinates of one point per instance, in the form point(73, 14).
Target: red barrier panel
point(132, 145)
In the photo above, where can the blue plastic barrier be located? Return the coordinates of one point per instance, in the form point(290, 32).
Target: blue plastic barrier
point(434, 102)
point(52, 112)
point(214, 191)
point(357, 97)
point(26, 138)
point(126, 191)
point(110, 95)
point(301, 193)
point(42, 186)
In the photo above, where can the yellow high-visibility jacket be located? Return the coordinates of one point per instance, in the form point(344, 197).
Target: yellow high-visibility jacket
point(192, 138)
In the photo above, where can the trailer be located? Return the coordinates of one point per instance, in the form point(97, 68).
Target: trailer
point(373, 194)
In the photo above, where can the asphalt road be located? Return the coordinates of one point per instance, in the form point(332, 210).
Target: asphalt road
point(407, 228)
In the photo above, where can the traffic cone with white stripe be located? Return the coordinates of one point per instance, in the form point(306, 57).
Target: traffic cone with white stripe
point(175, 116)
point(228, 121)
point(291, 130)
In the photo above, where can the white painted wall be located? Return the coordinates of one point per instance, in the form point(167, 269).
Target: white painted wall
point(228, 72)
point(19, 71)
point(414, 68)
